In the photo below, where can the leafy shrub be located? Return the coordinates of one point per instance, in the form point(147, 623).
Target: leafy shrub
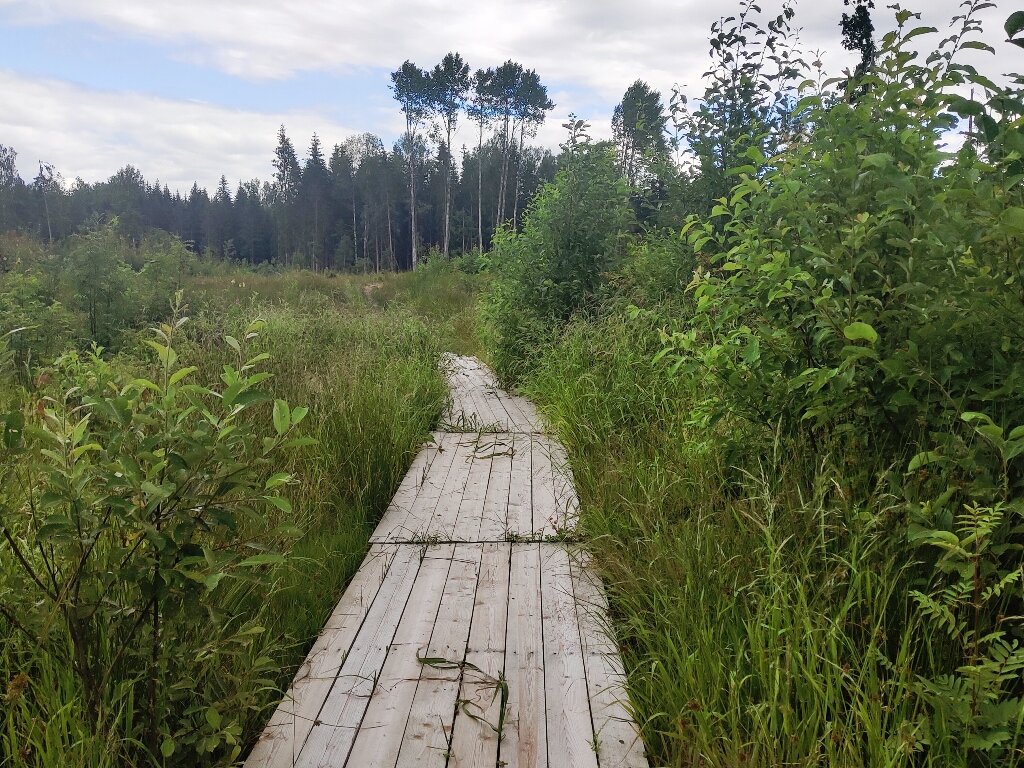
point(863, 296)
point(573, 234)
point(134, 504)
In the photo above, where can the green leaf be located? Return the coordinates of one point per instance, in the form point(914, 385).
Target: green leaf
point(233, 343)
point(923, 458)
point(1014, 24)
point(1013, 219)
point(213, 718)
point(298, 414)
point(267, 558)
point(859, 331)
point(280, 502)
point(977, 45)
point(918, 31)
point(282, 416)
point(167, 747)
point(281, 478)
point(181, 374)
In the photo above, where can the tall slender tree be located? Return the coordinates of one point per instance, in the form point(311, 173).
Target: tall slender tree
point(287, 177)
point(505, 91)
point(411, 87)
point(481, 111)
point(449, 84)
point(638, 126)
point(314, 194)
point(531, 106)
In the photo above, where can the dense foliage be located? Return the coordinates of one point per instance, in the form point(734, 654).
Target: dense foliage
point(173, 532)
point(810, 394)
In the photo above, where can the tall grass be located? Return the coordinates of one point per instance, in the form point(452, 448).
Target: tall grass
point(367, 370)
point(759, 592)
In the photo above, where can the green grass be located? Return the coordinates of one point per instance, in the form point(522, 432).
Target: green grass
point(759, 593)
point(366, 366)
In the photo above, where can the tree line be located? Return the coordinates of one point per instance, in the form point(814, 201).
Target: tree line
point(361, 205)
point(356, 205)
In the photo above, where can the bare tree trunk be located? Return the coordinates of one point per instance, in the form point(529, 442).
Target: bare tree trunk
point(355, 230)
point(519, 175)
point(412, 195)
point(391, 242)
point(480, 189)
point(503, 181)
point(448, 192)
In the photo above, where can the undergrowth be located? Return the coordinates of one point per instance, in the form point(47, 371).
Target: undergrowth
point(234, 624)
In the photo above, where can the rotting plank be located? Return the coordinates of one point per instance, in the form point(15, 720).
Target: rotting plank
point(285, 734)
point(428, 734)
point(380, 734)
point(479, 719)
point(615, 731)
point(524, 742)
point(567, 705)
point(332, 735)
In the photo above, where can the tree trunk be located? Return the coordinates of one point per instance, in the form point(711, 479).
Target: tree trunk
point(355, 230)
point(480, 189)
point(391, 242)
point(448, 192)
point(412, 194)
point(519, 174)
point(503, 180)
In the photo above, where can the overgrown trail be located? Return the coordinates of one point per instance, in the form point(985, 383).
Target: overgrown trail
point(473, 634)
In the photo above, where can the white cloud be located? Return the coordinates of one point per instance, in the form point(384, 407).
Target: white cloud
point(588, 51)
point(599, 44)
point(91, 133)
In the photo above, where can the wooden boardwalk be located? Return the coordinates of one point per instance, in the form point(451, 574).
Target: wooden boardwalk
point(471, 636)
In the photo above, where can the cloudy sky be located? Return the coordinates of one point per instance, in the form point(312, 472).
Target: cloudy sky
point(189, 89)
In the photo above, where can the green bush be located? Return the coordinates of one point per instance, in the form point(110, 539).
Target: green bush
point(573, 234)
point(135, 499)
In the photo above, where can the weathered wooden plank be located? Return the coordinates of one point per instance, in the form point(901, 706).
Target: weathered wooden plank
point(618, 739)
point(523, 613)
point(517, 421)
point(569, 726)
point(524, 742)
point(566, 500)
point(332, 735)
point(494, 515)
point(379, 739)
point(411, 485)
point(284, 735)
point(440, 525)
point(478, 721)
point(407, 521)
point(519, 520)
point(428, 734)
point(466, 525)
point(547, 517)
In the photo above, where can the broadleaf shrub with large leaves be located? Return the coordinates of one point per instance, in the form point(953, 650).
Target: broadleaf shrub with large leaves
point(863, 294)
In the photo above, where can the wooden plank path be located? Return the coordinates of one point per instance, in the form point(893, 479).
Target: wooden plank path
point(472, 635)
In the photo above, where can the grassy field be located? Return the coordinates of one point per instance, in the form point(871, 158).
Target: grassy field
point(362, 357)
